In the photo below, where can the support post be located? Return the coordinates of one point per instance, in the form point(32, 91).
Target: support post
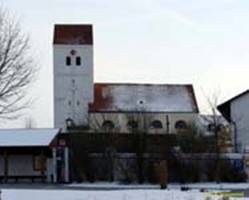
point(66, 161)
point(54, 165)
point(6, 166)
point(43, 165)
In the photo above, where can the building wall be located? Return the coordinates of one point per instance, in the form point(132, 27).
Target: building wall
point(73, 85)
point(240, 115)
point(23, 165)
point(120, 120)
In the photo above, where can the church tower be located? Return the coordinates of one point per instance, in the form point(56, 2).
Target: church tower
point(73, 73)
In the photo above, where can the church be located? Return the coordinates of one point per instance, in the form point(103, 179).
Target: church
point(79, 103)
point(102, 131)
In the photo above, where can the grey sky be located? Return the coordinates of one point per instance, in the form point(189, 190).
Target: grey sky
point(158, 41)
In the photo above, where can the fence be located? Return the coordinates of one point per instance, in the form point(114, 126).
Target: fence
point(129, 167)
point(136, 157)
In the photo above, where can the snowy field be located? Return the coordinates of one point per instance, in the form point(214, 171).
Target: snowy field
point(210, 186)
point(173, 194)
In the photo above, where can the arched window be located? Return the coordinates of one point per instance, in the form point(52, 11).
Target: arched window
point(78, 60)
point(132, 124)
point(156, 124)
point(108, 125)
point(180, 124)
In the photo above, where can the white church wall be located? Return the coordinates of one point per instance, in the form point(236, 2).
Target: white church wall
point(120, 120)
point(73, 85)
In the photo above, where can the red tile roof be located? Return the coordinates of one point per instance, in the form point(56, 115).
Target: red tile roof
point(73, 34)
point(116, 97)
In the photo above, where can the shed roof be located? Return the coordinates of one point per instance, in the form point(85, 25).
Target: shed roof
point(69, 34)
point(120, 97)
point(27, 137)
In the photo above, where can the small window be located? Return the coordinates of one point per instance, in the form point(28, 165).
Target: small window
point(69, 103)
point(212, 128)
point(156, 124)
point(78, 60)
point(132, 124)
point(108, 125)
point(180, 125)
point(78, 103)
point(68, 61)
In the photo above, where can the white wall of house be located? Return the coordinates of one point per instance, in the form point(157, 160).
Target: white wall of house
point(240, 115)
point(73, 85)
point(120, 120)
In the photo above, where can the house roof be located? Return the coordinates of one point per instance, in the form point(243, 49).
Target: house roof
point(73, 34)
point(206, 120)
point(120, 97)
point(27, 137)
point(225, 108)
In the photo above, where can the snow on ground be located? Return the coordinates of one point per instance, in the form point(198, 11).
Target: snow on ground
point(116, 185)
point(113, 185)
point(20, 194)
point(220, 186)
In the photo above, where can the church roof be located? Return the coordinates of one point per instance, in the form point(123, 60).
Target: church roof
point(73, 34)
point(116, 97)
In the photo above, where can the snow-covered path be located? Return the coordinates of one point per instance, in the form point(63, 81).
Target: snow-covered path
point(13, 194)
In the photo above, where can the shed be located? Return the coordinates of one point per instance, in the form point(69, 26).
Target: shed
point(28, 154)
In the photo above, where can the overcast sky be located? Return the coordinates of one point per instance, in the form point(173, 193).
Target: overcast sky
point(203, 42)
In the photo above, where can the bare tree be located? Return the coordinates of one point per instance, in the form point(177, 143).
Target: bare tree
point(214, 118)
point(16, 67)
point(216, 127)
point(29, 122)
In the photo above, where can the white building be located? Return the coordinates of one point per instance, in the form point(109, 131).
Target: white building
point(156, 108)
point(73, 73)
point(78, 99)
point(208, 123)
point(235, 110)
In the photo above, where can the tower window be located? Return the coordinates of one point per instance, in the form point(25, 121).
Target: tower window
point(68, 61)
point(78, 60)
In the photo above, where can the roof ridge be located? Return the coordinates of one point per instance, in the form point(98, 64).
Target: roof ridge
point(143, 84)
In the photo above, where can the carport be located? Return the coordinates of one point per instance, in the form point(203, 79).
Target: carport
point(28, 155)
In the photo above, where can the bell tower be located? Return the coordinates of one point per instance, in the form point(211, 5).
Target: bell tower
point(73, 73)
